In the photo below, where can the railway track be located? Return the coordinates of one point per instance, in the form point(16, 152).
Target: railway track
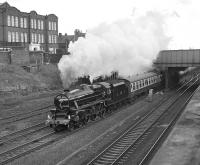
point(21, 150)
point(16, 153)
point(22, 116)
point(35, 144)
point(127, 144)
point(21, 133)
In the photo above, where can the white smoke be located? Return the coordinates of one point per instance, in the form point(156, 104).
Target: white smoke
point(128, 46)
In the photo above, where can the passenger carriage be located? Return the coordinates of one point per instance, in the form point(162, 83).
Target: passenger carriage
point(140, 84)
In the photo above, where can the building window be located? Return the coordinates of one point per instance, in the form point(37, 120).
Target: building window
point(21, 22)
point(38, 24)
point(32, 37)
point(42, 25)
point(55, 26)
point(13, 36)
point(35, 38)
point(9, 37)
point(52, 26)
point(32, 23)
point(39, 38)
point(54, 39)
point(35, 25)
point(42, 38)
point(17, 36)
point(16, 22)
point(49, 25)
point(8, 20)
point(25, 23)
point(22, 37)
point(49, 38)
point(13, 21)
point(25, 37)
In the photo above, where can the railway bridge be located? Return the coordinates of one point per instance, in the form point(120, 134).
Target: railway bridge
point(173, 61)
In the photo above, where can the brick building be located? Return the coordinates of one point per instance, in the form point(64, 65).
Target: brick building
point(64, 40)
point(19, 30)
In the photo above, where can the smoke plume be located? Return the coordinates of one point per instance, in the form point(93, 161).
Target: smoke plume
point(128, 46)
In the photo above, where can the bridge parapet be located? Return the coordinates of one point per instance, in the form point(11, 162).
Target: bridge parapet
point(178, 58)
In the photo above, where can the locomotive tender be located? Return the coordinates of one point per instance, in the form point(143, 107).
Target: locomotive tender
point(76, 107)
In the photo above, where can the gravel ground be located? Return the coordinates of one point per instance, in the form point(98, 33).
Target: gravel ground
point(78, 147)
point(25, 104)
point(182, 146)
point(18, 104)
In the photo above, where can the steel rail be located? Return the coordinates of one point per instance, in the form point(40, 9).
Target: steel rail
point(22, 132)
point(164, 132)
point(14, 153)
point(27, 115)
point(141, 139)
point(30, 112)
point(118, 139)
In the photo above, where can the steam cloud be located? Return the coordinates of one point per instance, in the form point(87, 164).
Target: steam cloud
point(126, 46)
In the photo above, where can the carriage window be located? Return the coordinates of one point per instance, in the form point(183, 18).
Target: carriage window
point(146, 82)
point(132, 87)
point(141, 84)
point(135, 85)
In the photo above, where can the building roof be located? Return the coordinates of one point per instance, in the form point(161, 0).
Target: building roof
point(6, 5)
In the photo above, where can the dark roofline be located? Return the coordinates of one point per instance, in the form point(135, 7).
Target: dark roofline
point(178, 50)
point(9, 6)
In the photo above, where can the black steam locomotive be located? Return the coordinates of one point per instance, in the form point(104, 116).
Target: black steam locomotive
point(76, 107)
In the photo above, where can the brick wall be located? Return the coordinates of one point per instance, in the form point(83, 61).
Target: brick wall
point(5, 57)
point(20, 56)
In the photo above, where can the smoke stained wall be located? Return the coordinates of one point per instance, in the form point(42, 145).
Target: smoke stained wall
point(127, 45)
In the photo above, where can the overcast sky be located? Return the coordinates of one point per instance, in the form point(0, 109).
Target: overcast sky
point(182, 23)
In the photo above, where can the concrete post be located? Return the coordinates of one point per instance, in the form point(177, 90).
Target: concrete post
point(166, 78)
